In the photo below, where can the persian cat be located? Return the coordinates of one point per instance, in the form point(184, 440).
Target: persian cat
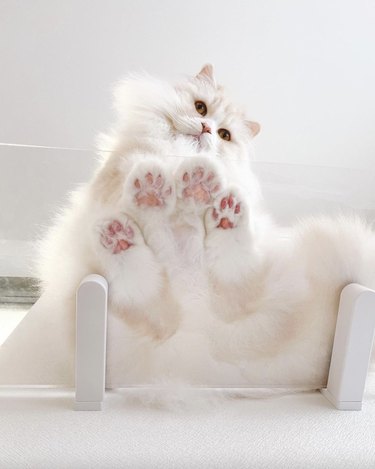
point(203, 287)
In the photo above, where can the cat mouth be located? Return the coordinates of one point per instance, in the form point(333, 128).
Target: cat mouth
point(201, 140)
point(196, 138)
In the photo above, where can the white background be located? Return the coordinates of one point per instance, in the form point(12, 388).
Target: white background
point(304, 69)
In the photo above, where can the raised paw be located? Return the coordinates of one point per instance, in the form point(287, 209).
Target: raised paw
point(118, 236)
point(199, 183)
point(151, 189)
point(226, 213)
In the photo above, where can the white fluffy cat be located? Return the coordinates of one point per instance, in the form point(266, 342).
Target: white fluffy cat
point(204, 289)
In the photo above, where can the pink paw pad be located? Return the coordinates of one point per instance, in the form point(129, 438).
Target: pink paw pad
point(227, 213)
point(117, 237)
point(200, 185)
point(151, 190)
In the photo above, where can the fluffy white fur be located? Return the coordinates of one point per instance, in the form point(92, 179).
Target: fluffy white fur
point(201, 291)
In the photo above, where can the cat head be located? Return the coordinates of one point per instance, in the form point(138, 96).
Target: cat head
point(206, 115)
point(196, 112)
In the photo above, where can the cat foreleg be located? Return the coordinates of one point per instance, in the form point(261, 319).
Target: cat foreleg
point(149, 189)
point(150, 197)
point(198, 181)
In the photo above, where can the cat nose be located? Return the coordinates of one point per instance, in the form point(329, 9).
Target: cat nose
point(205, 128)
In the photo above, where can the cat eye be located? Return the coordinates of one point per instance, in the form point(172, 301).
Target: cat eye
point(201, 107)
point(224, 134)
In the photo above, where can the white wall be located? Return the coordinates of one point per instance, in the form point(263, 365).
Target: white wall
point(305, 69)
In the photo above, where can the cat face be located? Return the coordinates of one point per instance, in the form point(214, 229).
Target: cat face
point(197, 112)
point(207, 119)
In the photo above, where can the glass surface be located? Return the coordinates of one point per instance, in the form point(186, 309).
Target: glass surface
point(35, 182)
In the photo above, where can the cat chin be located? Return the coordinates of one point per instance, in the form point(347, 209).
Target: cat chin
point(205, 144)
point(185, 145)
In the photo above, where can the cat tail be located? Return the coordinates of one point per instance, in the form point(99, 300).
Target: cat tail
point(337, 251)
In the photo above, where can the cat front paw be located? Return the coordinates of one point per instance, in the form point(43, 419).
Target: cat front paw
point(118, 234)
point(198, 182)
point(148, 187)
point(227, 212)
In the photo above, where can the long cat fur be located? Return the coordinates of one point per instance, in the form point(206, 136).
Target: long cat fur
point(190, 302)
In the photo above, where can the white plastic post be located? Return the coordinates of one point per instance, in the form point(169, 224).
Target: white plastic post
point(351, 348)
point(91, 331)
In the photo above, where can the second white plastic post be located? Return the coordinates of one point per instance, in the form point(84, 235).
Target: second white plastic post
point(352, 348)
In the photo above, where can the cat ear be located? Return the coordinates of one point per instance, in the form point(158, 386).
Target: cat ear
point(207, 73)
point(254, 127)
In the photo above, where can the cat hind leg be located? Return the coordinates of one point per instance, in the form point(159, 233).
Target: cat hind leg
point(116, 236)
point(126, 261)
point(138, 289)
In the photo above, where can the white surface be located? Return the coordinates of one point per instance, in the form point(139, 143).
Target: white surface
point(88, 405)
point(294, 191)
point(39, 430)
point(10, 317)
point(340, 405)
point(34, 184)
point(16, 257)
point(91, 335)
point(305, 70)
point(352, 347)
point(42, 345)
